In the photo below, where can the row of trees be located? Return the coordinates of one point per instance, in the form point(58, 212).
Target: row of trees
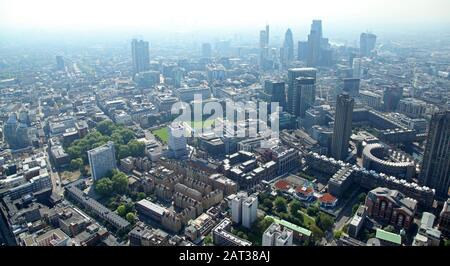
point(124, 141)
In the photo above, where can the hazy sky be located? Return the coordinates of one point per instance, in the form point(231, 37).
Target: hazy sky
point(209, 14)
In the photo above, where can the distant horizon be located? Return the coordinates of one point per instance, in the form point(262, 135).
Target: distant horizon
point(336, 32)
point(341, 19)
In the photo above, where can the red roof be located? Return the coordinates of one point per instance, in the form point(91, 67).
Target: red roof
point(304, 190)
point(282, 184)
point(327, 198)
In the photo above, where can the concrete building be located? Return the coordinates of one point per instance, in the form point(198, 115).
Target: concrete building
point(293, 93)
point(223, 237)
point(357, 222)
point(342, 127)
point(277, 236)
point(244, 209)
point(435, 170)
point(102, 160)
point(177, 140)
point(140, 55)
point(249, 211)
point(367, 43)
point(377, 157)
point(444, 219)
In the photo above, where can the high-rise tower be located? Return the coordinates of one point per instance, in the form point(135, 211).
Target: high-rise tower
point(140, 55)
point(342, 126)
point(435, 170)
point(294, 89)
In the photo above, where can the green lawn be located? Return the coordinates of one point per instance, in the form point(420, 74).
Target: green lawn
point(162, 133)
point(308, 220)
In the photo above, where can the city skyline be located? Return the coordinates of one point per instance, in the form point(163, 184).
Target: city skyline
point(225, 123)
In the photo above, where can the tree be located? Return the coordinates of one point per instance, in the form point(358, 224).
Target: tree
point(263, 224)
point(338, 234)
point(355, 208)
point(362, 197)
point(104, 187)
point(131, 217)
point(316, 231)
point(345, 228)
point(312, 210)
point(136, 148)
point(447, 243)
point(141, 196)
point(208, 240)
point(126, 134)
point(76, 164)
point(267, 203)
point(120, 182)
point(280, 204)
point(123, 151)
point(324, 221)
point(106, 127)
point(295, 207)
point(122, 210)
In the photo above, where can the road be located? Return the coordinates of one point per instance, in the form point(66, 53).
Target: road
point(346, 214)
point(56, 179)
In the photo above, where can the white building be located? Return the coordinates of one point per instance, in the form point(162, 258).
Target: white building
point(244, 209)
point(236, 207)
point(102, 159)
point(356, 66)
point(275, 236)
point(249, 211)
point(177, 139)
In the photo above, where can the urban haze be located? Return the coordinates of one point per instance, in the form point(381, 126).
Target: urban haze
point(224, 123)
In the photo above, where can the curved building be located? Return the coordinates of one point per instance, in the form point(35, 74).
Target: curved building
point(376, 157)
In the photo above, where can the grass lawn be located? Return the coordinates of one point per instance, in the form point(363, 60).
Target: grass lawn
point(308, 220)
point(162, 133)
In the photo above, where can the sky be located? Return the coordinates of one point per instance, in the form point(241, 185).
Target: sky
point(208, 14)
point(201, 20)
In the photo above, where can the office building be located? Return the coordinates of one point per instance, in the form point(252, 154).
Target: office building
point(293, 93)
point(275, 91)
point(140, 55)
point(306, 89)
point(391, 98)
point(314, 41)
point(342, 127)
point(288, 48)
point(102, 160)
point(444, 219)
point(60, 64)
point(356, 68)
point(206, 50)
point(177, 140)
point(367, 43)
point(351, 86)
point(275, 235)
point(435, 170)
point(302, 52)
